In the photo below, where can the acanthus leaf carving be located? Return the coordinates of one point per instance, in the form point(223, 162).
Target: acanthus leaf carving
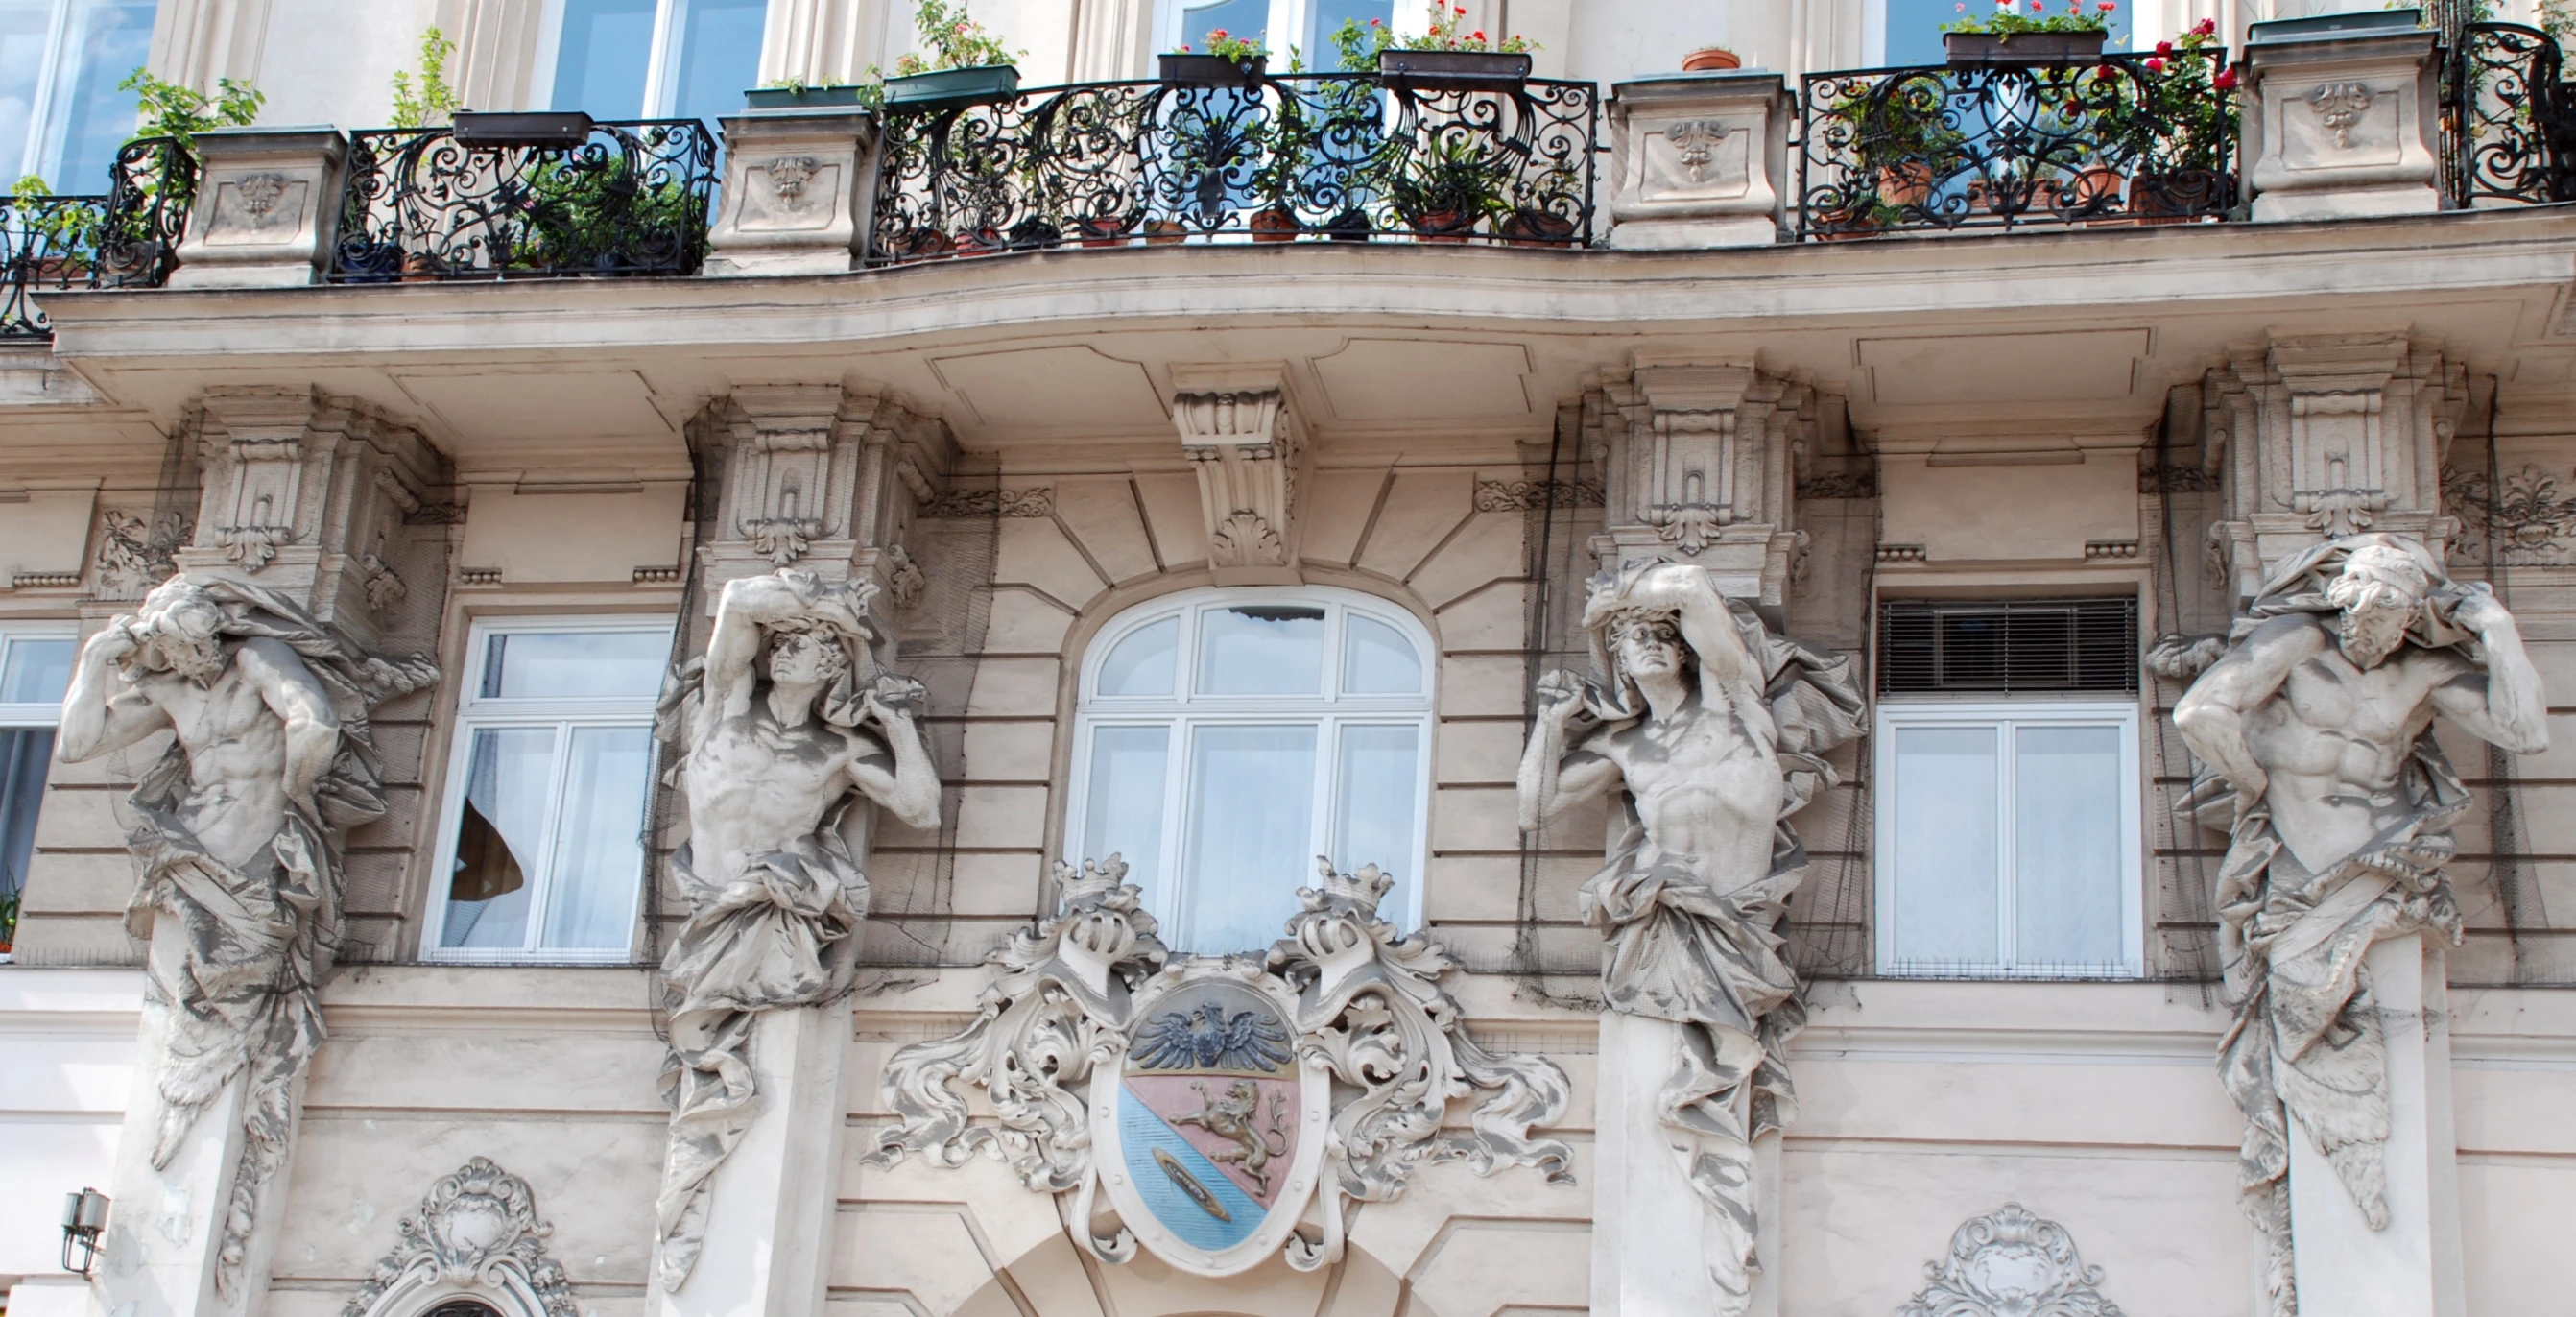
point(477, 1234)
point(2010, 1263)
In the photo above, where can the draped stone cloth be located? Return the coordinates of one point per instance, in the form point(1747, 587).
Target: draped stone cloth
point(255, 942)
point(2306, 1039)
point(781, 934)
point(1704, 949)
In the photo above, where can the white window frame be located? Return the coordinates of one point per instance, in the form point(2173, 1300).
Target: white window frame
point(17, 716)
point(1329, 711)
point(661, 67)
point(2008, 715)
point(474, 713)
point(1286, 23)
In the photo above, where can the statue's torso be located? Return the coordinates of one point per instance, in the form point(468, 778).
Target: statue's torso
point(1704, 789)
point(2335, 742)
point(755, 786)
point(236, 752)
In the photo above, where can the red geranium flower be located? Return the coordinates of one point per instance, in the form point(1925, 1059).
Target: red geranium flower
point(2225, 81)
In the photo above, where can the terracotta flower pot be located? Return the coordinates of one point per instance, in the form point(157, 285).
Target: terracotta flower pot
point(1904, 185)
point(1102, 231)
point(1714, 59)
point(1530, 227)
point(419, 267)
point(1443, 225)
point(1277, 224)
point(1164, 233)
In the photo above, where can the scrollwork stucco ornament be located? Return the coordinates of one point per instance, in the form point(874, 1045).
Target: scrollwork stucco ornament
point(477, 1235)
point(2009, 1263)
point(1090, 1003)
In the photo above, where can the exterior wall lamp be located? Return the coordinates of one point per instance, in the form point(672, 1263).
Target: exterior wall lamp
point(84, 1216)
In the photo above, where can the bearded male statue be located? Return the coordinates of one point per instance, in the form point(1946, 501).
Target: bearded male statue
point(236, 838)
point(1709, 731)
point(785, 733)
point(2317, 728)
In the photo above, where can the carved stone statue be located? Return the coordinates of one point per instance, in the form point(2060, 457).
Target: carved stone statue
point(1710, 730)
point(785, 731)
point(2319, 720)
point(237, 837)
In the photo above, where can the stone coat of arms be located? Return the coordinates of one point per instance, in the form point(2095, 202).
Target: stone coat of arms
point(1224, 1107)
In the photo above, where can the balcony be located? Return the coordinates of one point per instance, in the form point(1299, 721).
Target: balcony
point(1300, 158)
point(525, 196)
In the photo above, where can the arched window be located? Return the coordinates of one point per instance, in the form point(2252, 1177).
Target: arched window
point(1225, 738)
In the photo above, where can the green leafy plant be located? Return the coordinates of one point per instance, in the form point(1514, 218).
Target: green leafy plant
point(2184, 113)
point(433, 102)
point(8, 919)
point(955, 39)
point(1449, 185)
point(580, 212)
point(180, 112)
point(1360, 46)
point(2014, 16)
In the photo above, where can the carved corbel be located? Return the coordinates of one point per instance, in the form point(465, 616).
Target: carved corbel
point(819, 477)
point(1245, 442)
point(1700, 465)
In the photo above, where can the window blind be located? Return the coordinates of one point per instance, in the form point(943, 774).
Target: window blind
point(2008, 647)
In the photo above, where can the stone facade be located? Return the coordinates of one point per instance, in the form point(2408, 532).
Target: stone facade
point(1618, 1023)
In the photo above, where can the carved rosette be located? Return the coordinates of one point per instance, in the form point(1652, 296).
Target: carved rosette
point(2009, 1263)
point(1056, 1025)
point(476, 1236)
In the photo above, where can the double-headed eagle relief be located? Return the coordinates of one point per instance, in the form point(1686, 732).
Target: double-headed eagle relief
point(789, 723)
point(1708, 732)
point(237, 838)
point(1194, 1098)
point(2316, 727)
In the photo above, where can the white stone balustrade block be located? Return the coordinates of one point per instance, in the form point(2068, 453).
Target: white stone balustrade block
point(2343, 127)
point(796, 191)
point(1698, 160)
point(267, 210)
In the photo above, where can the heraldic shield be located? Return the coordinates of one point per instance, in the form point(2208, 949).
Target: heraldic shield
point(1212, 1142)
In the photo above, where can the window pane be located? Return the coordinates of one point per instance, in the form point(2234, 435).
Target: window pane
point(559, 665)
point(1251, 820)
point(37, 672)
point(599, 851)
point(1329, 15)
point(1143, 662)
point(1238, 18)
point(719, 56)
point(22, 66)
point(599, 67)
point(105, 41)
point(1947, 793)
point(1123, 800)
point(1914, 26)
point(1373, 799)
point(2067, 870)
point(23, 755)
point(1378, 660)
point(1253, 650)
point(496, 843)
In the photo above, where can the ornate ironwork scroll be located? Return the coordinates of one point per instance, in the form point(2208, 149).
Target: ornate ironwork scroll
point(2132, 139)
point(48, 243)
point(1301, 157)
point(632, 200)
point(147, 209)
point(2508, 119)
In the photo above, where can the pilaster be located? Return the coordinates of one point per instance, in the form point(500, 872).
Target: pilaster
point(1699, 160)
point(2344, 126)
point(2323, 436)
point(1700, 464)
point(267, 210)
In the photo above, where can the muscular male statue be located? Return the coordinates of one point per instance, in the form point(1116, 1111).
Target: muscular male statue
point(2319, 718)
point(1709, 730)
point(237, 835)
point(783, 735)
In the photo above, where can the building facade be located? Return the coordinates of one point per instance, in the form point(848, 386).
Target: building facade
point(1907, 684)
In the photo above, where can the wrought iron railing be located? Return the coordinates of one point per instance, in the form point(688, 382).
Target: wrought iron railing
point(2508, 118)
point(631, 199)
point(148, 196)
point(1304, 157)
point(51, 243)
point(2127, 139)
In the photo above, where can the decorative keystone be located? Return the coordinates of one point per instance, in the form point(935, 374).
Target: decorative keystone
point(1699, 159)
point(267, 210)
point(795, 192)
point(2343, 126)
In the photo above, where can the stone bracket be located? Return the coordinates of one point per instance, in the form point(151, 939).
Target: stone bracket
point(1245, 443)
point(1699, 465)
